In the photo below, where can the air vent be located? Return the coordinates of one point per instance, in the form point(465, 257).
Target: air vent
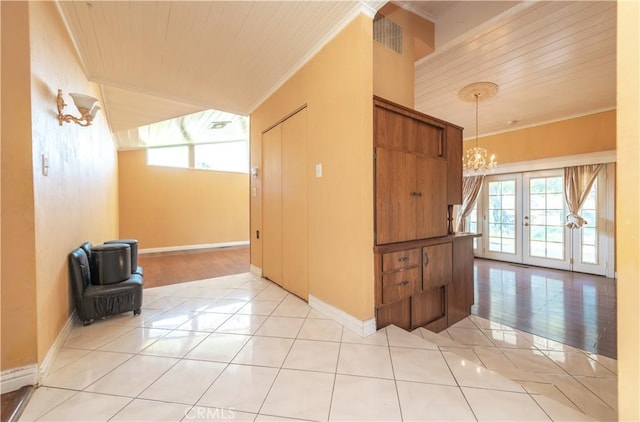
point(387, 33)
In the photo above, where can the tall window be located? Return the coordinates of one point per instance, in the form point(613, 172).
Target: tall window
point(589, 241)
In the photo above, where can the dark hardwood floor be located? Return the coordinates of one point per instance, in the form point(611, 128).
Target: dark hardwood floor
point(177, 267)
point(13, 402)
point(571, 308)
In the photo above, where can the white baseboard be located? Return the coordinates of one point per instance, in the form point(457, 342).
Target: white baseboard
point(55, 348)
point(255, 270)
point(14, 378)
point(362, 328)
point(193, 247)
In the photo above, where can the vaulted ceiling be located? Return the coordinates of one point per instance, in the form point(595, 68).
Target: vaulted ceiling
point(158, 60)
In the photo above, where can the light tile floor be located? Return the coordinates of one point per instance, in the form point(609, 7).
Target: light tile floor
point(241, 348)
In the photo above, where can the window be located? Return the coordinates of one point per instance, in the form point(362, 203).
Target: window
point(223, 156)
point(169, 156)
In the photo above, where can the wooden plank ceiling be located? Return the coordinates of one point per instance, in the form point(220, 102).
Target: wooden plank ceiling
point(552, 60)
point(158, 60)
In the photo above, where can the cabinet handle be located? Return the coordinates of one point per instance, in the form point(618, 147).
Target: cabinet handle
point(441, 147)
point(403, 259)
point(426, 259)
point(403, 283)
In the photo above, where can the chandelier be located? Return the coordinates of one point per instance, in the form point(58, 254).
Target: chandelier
point(476, 160)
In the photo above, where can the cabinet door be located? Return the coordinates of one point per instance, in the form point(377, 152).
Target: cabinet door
point(395, 199)
point(431, 205)
point(392, 130)
point(396, 313)
point(429, 307)
point(272, 205)
point(437, 265)
point(429, 140)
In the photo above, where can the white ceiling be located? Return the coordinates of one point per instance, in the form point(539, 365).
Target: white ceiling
point(158, 60)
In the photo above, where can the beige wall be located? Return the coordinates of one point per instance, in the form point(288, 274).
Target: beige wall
point(628, 210)
point(165, 207)
point(18, 278)
point(336, 85)
point(592, 133)
point(394, 73)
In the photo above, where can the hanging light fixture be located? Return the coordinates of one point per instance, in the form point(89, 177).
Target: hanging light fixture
point(475, 160)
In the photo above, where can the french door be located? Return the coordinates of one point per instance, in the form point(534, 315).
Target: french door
point(522, 218)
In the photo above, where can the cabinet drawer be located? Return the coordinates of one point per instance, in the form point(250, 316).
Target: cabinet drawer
point(400, 284)
point(399, 260)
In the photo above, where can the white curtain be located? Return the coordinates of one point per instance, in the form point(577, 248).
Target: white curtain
point(471, 187)
point(577, 186)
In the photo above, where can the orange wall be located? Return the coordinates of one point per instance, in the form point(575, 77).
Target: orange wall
point(628, 210)
point(165, 207)
point(394, 73)
point(336, 85)
point(592, 133)
point(18, 288)
point(45, 217)
point(78, 200)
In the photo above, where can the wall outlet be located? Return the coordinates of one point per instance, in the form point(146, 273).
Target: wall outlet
point(319, 170)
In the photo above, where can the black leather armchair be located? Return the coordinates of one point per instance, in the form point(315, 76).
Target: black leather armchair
point(98, 301)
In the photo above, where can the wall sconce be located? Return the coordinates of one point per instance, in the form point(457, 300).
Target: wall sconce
point(87, 106)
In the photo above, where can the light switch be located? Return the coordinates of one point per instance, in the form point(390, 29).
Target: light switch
point(319, 170)
point(45, 165)
point(254, 191)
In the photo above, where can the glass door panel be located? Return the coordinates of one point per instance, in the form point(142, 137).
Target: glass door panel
point(501, 232)
point(544, 211)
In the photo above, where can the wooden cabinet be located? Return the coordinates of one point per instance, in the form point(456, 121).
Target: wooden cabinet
point(424, 273)
point(412, 172)
point(430, 283)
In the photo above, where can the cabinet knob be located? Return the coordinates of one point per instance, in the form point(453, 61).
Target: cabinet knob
point(403, 259)
point(403, 283)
